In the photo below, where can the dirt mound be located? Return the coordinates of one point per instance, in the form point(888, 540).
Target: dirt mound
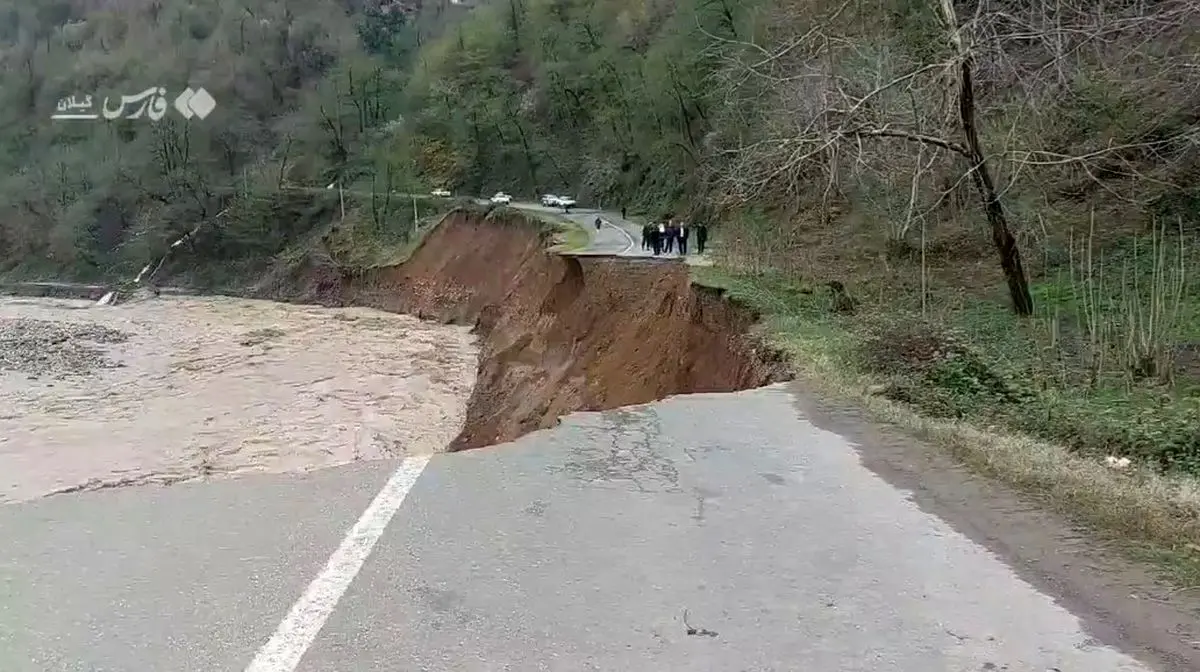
point(559, 334)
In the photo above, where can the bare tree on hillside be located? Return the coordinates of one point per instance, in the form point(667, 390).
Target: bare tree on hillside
point(824, 99)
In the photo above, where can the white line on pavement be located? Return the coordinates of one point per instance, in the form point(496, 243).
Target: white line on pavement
point(282, 653)
point(623, 233)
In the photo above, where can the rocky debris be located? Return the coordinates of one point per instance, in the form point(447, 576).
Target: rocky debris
point(44, 348)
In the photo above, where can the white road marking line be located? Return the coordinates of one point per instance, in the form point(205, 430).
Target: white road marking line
point(282, 653)
point(623, 233)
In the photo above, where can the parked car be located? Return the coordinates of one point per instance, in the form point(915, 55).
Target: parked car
point(441, 193)
point(551, 201)
point(501, 198)
point(565, 202)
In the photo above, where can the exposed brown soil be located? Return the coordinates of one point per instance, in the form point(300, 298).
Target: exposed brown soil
point(559, 334)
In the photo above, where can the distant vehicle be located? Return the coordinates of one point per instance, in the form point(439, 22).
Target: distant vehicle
point(551, 201)
point(565, 202)
point(501, 198)
point(441, 193)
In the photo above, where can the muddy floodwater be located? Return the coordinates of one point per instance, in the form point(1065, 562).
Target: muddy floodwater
point(172, 389)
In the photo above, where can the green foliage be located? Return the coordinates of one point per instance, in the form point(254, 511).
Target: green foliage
point(299, 103)
point(607, 99)
point(976, 364)
point(384, 33)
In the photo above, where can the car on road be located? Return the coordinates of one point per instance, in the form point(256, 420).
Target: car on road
point(551, 201)
point(441, 193)
point(501, 198)
point(565, 202)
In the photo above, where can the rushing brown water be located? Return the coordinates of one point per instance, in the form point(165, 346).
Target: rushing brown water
point(217, 386)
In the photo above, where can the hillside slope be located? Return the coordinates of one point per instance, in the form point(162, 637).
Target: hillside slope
point(304, 93)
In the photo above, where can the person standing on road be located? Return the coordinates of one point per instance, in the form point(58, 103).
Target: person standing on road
point(669, 232)
point(684, 231)
point(701, 237)
point(647, 234)
point(659, 237)
point(623, 213)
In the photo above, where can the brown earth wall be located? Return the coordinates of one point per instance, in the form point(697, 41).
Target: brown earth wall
point(558, 333)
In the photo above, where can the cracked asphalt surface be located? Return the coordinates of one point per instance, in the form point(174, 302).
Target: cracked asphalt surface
point(705, 532)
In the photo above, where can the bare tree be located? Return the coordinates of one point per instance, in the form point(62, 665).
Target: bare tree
point(815, 97)
point(1002, 237)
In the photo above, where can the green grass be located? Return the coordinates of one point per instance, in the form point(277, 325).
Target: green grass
point(567, 235)
point(1095, 369)
point(574, 237)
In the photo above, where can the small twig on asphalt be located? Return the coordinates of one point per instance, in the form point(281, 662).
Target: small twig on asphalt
point(702, 632)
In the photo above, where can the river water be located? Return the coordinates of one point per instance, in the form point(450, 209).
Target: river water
point(180, 388)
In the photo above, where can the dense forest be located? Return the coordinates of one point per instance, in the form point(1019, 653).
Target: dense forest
point(795, 114)
point(948, 161)
point(300, 99)
point(790, 120)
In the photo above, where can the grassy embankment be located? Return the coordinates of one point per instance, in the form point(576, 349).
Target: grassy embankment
point(569, 236)
point(572, 237)
point(1104, 368)
point(358, 245)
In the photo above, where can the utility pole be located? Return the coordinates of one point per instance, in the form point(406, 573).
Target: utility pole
point(415, 216)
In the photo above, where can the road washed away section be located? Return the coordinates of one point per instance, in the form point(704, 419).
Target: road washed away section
point(479, 338)
point(171, 389)
point(557, 333)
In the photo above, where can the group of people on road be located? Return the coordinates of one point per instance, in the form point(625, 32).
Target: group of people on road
point(668, 236)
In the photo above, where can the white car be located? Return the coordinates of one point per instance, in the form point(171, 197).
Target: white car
point(565, 202)
point(501, 198)
point(441, 193)
point(551, 201)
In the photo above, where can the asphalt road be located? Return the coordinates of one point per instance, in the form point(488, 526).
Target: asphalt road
point(615, 237)
point(705, 532)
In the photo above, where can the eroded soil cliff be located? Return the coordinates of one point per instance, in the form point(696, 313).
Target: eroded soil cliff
point(558, 334)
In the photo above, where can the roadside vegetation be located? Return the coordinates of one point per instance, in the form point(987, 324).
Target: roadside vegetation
point(572, 237)
point(982, 218)
point(979, 217)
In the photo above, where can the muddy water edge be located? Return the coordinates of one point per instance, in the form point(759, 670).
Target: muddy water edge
point(171, 389)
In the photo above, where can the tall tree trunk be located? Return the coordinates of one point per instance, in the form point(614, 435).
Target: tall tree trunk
point(1002, 237)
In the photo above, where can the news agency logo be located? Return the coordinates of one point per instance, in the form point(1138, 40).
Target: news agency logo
point(191, 103)
point(198, 103)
